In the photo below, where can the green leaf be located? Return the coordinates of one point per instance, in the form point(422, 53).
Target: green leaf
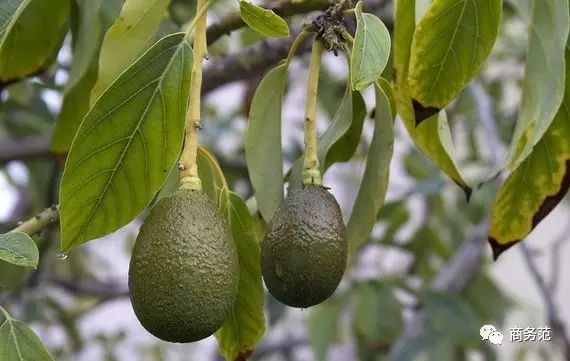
point(211, 175)
point(340, 140)
point(322, 325)
point(432, 136)
point(450, 44)
point(344, 148)
point(262, 20)
point(264, 156)
point(74, 107)
point(19, 249)
point(374, 183)
point(543, 85)
point(18, 342)
point(86, 42)
point(453, 316)
point(127, 144)
point(537, 185)
point(482, 289)
point(133, 33)
point(371, 49)
point(31, 32)
point(377, 313)
point(245, 325)
point(83, 75)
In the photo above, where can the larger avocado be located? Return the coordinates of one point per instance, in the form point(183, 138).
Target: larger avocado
point(303, 256)
point(184, 270)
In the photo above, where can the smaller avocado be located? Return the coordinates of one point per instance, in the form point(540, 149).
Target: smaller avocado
point(304, 254)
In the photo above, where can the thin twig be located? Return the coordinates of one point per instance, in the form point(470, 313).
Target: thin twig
point(556, 251)
point(42, 220)
point(553, 313)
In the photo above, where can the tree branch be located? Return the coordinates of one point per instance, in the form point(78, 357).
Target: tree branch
point(103, 291)
point(259, 57)
point(284, 9)
point(24, 148)
point(552, 311)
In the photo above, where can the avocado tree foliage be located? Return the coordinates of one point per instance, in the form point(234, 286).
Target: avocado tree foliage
point(131, 115)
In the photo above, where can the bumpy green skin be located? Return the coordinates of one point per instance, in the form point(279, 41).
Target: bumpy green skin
point(304, 253)
point(184, 270)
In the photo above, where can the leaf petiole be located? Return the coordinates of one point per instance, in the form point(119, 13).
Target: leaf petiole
point(293, 49)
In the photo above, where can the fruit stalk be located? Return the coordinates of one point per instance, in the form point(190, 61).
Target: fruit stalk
point(311, 171)
point(189, 170)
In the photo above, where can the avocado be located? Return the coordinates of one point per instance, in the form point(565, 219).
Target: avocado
point(184, 270)
point(303, 256)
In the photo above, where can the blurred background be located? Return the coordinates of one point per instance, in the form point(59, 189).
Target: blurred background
point(420, 288)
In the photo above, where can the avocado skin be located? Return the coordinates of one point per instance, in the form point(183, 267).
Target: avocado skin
point(184, 270)
point(303, 256)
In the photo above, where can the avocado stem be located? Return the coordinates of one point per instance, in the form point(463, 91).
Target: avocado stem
point(189, 170)
point(311, 171)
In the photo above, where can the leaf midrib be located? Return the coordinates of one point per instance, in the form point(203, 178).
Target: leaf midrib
point(131, 137)
point(444, 60)
point(13, 19)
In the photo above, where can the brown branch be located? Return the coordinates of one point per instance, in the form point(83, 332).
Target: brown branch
point(100, 290)
point(258, 58)
point(24, 148)
point(248, 62)
point(285, 9)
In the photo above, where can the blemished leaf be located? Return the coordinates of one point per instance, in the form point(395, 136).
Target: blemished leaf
point(322, 325)
point(127, 144)
point(537, 185)
point(19, 249)
point(340, 140)
point(263, 20)
point(453, 316)
point(83, 75)
point(374, 183)
point(133, 33)
point(18, 342)
point(31, 32)
point(432, 136)
point(377, 313)
point(211, 175)
point(543, 84)
point(450, 44)
point(245, 325)
point(263, 153)
point(371, 49)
